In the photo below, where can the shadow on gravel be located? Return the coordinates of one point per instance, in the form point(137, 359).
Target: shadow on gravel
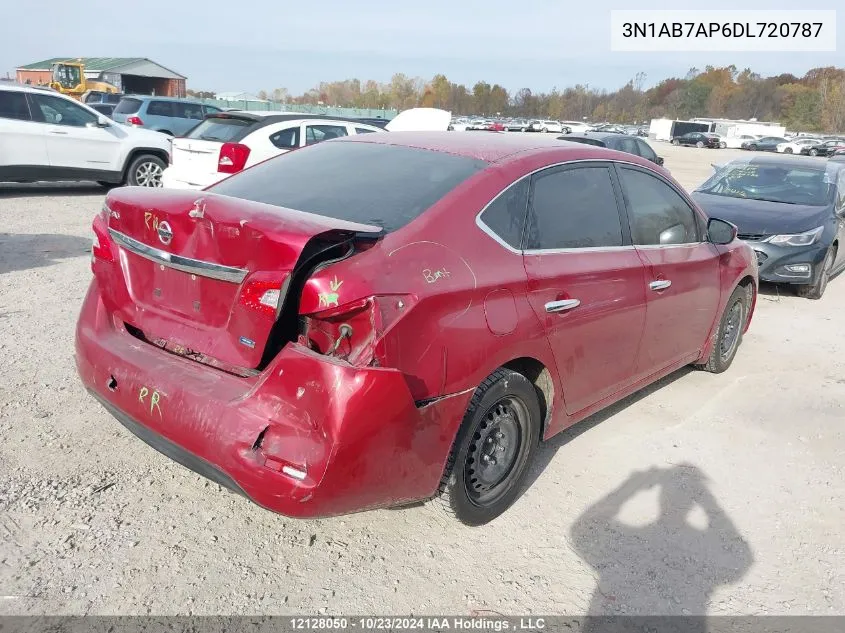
point(548, 449)
point(43, 189)
point(670, 566)
point(22, 252)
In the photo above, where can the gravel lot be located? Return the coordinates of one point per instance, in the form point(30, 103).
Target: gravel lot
point(92, 521)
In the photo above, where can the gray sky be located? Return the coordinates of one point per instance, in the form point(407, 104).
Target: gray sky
point(226, 45)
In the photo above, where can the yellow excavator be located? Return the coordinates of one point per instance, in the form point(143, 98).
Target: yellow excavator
point(68, 77)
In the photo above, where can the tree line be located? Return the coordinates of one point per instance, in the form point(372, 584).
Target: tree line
point(814, 102)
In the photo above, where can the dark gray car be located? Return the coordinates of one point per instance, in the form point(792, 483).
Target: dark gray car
point(620, 142)
point(791, 211)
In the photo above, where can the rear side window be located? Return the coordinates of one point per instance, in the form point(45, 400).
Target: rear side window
point(573, 208)
point(372, 183)
point(128, 106)
point(658, 214)
point(506, 214)
point(316, 133)
point(187, 111)
point(286, 139)
point(220, 129)
point(13, 106)
point(160, 108)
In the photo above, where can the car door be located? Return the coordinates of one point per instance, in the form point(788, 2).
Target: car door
point(23, 143)
point(74, 140)
point(585, 281)
point(682, 269)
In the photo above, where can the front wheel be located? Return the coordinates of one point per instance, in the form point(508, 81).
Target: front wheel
point(814, 152)
point(729, 332)
point(675, 141)
point(700, 144)
point(494, 446)
point(723, 145)
point(752, 147)
point(145, 171)
point(788, 150)
point(816, 290)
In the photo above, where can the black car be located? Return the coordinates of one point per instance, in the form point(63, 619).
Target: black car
point(765, 144)
point(698, 139)
point(791, 211)
point(825, 148)
point(621, 142)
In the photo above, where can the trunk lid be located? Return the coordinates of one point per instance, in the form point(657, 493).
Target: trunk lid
point(205, 275)
point(199, 149)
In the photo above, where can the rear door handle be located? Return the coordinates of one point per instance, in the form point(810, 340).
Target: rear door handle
point(660, 285)
point(562, 306)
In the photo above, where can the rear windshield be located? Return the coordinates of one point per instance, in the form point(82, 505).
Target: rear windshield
point(371, 183)
point(223, 129)
point(128, 106)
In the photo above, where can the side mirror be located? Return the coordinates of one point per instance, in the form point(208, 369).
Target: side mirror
point(102, 121)
point(660, 161)
point(720, 232)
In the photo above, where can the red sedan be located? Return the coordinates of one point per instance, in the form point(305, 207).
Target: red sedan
point(392, 317)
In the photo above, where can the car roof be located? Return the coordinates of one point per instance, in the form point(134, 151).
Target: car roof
point(151, 97)
point(14, 86)
point(493, 147)
point(777, 160)
point(599, 136)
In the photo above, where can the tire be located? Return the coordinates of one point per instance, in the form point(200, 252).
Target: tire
point(675, 141)
point(814, 152)
point(788, 150)
point(723, 145)
point(503, 420)
point(729, 331)
point(544, 129)
point(752, 147)
point(816, 290)
point(700, 144)
point(145, 171)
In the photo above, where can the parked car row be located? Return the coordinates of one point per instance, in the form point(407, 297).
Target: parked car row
point(542, 125)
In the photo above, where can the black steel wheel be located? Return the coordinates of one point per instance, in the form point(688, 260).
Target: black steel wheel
point(491, 454)
point(729, 333)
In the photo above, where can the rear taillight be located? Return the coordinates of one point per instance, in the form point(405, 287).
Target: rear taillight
point(262, 296)
point(356, 331)
point(101, 242)
point(134, 120)
point(233, 157)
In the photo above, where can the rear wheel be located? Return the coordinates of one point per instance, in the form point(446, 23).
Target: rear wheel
point(723, 145)
point(729, 333)
point(814, 151)
point(752, 147)
point(491, 454)
point(675, 141)
point(145, 171)
point(788, 150)
point(816, 290)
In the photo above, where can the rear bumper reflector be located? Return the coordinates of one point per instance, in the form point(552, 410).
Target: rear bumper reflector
point(177, 262)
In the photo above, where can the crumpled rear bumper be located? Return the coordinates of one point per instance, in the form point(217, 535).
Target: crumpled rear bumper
point(309, 436)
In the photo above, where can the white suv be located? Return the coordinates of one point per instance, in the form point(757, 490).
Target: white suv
point(45, 135)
